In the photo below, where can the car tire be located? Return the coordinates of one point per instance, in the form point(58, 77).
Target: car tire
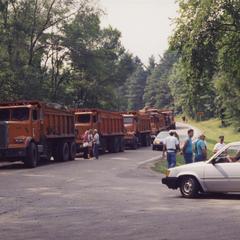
point(189, 187)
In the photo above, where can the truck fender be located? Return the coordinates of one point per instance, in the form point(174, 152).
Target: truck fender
point(187, 173)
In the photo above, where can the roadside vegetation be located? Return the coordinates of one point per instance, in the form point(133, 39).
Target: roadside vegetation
point(212, 129)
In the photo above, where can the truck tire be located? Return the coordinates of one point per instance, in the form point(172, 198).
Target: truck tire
point(31, 159)
point(122, 144)
point(65, 152)
point(116, 145)
point(144, 140)
point(135, 144)
point(148, 140)
point(73, 150)
point(189, 187)
point(61, 152)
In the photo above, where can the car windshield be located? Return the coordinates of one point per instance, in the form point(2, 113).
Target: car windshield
point(128, 120)
point(83, 118)
point(162, 135)
point(14, 114)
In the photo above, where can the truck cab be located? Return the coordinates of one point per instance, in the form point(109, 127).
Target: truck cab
point(137, 129)
point(18, 126)
point(32, 129)
point(83, 122)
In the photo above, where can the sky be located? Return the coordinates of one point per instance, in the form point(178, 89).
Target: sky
point(145, 24)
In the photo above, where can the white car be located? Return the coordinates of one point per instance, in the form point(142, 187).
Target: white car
point(220, 174)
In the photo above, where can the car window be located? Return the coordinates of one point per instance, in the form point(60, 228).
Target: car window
point(231, 154)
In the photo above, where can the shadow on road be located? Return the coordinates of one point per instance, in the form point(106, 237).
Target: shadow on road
point(20, 166)
point(215, 196)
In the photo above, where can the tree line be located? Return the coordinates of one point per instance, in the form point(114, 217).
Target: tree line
point(205, 74)
point(56, 50)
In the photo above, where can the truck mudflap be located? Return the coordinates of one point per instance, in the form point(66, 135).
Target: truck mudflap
point(12, 153)
point(171, 182)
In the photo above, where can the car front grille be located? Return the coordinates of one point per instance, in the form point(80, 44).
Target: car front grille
point(3, 135)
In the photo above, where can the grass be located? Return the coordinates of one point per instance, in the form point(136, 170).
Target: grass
point(212, 129)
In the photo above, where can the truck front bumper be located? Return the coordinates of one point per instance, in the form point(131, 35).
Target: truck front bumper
point(12, 153)
point(171, 182)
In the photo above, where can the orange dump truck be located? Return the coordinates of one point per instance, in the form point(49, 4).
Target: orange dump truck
point(169, 118)
point(30, 130)
point(157, 119)
point(109, 125)
point(138, 129)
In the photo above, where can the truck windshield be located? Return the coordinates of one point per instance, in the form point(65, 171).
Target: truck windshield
point(19, 114)
point(83, 118)
point(4, 114)
point(128, 120)
point(14, 114)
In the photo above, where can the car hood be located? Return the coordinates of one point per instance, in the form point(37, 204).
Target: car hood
point(187, 168)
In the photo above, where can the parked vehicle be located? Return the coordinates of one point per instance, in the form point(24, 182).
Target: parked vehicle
point(219, 174)
point(157, 120)
point(30, 130)
point(138, 128)
point(169, 119)
point(159, 140)
point(109, 125)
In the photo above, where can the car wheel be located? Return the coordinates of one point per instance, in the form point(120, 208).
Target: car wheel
point(189, 187)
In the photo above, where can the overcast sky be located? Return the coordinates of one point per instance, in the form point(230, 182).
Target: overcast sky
point(145, 24)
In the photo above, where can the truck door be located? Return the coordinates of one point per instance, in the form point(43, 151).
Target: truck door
point(36, 124)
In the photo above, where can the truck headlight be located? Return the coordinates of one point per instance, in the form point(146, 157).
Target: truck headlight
point(20, 140)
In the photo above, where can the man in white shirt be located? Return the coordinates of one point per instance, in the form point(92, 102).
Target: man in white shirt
point(171, 145)
point(219, 145)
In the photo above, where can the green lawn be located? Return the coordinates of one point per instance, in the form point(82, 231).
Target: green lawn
point(212, 129)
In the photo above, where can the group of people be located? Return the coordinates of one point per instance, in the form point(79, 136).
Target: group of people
point(191, 150)
point(91, 144)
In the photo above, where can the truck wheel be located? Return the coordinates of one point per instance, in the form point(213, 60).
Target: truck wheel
point(61, 152)
point(73, 150)
point(122, 144)
point(116, 145)
point(189, 187)
point(148, 141)
point(65, 153)
point(31, 158)
point(144, 141)
point(135, 144)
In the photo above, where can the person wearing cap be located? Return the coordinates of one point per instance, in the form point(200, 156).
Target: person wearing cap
point(200, 149)
point(218, 146)
point(171, 146)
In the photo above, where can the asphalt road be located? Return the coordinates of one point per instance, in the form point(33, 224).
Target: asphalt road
point(113, 198)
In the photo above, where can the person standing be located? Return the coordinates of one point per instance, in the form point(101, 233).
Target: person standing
point(187, 149)
point(171, 145)
point(218, 146)
point(200, 149)
point(90, 143)
point(85, 145)
point(96, 143)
